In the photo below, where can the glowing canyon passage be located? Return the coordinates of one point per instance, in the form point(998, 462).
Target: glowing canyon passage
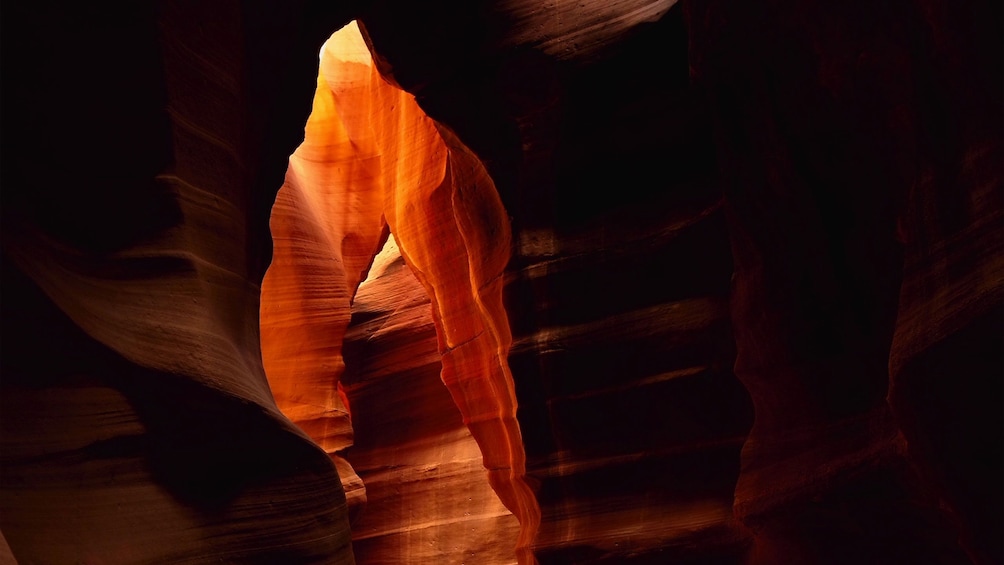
point(504, 282)
point(372, 161)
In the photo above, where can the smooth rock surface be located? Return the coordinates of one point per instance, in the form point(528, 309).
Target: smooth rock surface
point(136, 423)
point(711, 282)
point(428, 497)
point(372, 160)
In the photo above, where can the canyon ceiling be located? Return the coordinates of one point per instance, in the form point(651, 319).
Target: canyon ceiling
point(621, 282)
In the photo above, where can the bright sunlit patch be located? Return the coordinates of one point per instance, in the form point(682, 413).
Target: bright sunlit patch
point(347, 45)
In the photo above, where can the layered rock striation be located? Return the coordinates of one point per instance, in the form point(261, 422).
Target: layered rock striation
point(428, 494)
point(695, 282)
point(849, 160)
point(136, 422)
point(371, 161)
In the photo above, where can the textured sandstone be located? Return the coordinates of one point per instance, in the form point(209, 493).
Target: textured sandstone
point(621, 358)
point(370, 160)
point(806, 117)
point(836, 285)
point(326, 226)
point(749, 256)
point(428, 495)
point(136, 422)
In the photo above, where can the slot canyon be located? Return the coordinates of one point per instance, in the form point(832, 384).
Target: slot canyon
point(633, 282)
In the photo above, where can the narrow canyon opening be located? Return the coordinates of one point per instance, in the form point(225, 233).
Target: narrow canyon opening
point(427, 496)
point(413, 456)
point(754, 315)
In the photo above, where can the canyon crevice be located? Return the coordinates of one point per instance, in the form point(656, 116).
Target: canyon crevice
point(503, 282)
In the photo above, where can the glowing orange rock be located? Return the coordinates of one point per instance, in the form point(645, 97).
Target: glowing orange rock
point(325, 229)
point(371, 154)
point(428, 497)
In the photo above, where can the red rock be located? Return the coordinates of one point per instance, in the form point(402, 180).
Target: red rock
point(711, 282)
point(135, 418)
point(428, 494)
point(370, 153)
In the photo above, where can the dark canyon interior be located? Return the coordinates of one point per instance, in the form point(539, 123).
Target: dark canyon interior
point(619, 282)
